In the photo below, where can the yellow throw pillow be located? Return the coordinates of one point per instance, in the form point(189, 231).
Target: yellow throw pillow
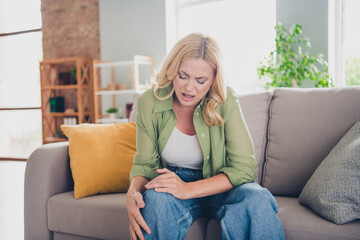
point(101, 157)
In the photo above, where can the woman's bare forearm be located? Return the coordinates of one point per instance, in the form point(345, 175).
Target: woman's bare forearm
point(210, 186)
point(137, 184)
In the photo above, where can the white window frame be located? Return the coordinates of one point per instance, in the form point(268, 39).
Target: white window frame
point(336, 61)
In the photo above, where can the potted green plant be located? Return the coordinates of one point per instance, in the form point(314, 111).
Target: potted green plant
point(112, 112)
point(58, 133)
point(290, 64)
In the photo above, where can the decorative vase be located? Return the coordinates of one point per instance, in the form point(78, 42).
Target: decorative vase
point(112, 86)
point(112, 115)
point(122, 86)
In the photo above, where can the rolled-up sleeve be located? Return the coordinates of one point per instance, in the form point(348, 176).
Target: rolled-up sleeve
point(146, 159)
point(240, 155)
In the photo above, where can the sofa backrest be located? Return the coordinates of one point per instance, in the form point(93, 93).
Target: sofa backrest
point(304, 125)
point(293, 130)
point(255, 108)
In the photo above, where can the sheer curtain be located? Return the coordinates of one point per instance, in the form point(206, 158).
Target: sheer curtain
point(20, 53)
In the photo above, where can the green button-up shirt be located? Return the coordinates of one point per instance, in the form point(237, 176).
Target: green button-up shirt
point(226, 149)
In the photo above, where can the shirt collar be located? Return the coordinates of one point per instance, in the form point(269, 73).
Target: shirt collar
point(167, 104)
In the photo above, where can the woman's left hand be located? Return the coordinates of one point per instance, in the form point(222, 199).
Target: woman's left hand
point(169, 182)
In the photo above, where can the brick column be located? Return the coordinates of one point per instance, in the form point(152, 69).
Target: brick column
point(70, 28)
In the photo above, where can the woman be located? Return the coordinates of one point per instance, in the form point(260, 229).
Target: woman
point(195, 157)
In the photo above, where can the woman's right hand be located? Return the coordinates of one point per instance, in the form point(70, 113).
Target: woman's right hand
point(134, 201)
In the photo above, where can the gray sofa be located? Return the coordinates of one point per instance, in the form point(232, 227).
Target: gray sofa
point(293, 130)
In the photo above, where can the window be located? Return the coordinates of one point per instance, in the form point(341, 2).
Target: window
point(243, 45)
point(20, 53)
point(344, 38)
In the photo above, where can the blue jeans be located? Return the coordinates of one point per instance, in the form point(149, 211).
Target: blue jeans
point(245, 212)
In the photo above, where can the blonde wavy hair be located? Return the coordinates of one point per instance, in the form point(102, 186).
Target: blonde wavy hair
point(195, 46)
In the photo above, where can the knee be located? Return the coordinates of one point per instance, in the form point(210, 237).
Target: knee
point(151, 197)
point(159, 205)
point(252, 191)
point(256, 196)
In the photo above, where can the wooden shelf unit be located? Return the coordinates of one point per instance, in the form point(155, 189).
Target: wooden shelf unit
point(81, 88)
point(136, 86)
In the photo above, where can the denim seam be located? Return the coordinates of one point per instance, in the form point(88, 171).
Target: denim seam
point(222, 211)
point(224, 230)
point(183, 217)
point(188, 221)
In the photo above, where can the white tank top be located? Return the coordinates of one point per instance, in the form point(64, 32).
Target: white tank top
point(183, 151)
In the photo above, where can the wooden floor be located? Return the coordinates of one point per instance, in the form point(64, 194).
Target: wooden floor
point(12, 200)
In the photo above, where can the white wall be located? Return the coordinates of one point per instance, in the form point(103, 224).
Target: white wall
point(312, 15)
point(132, 27)
point(128, 28)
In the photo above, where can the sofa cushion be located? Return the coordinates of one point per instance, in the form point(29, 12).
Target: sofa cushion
point(197, 229)
point(255, 108)
point(300, 223)
point(64, 236)
point(102, 216)
point(305, 124)
point(213, 230)
point(333, 191)
point(101, 156)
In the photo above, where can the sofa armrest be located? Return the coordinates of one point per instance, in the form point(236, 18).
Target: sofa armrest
point(47, 173)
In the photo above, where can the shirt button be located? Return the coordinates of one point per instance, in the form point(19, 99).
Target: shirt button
point(202, 135)
point(197, 114)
